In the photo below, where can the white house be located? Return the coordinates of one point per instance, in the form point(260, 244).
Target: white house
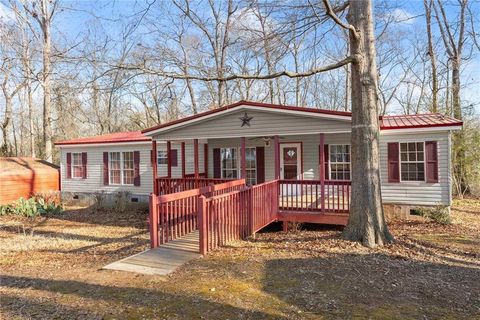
point(262, 142)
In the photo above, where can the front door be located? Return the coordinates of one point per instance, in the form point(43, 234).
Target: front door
point(291, 161)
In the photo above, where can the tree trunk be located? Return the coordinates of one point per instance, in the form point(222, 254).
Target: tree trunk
point(431, 53)
point(47, 108)
point(6, 125)
point(366, 223)
point(458, 136)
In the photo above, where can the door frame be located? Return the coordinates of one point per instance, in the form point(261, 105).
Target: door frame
point(299, 161)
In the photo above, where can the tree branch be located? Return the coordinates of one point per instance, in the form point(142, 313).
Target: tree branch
point(285, 73)
point(331, 14)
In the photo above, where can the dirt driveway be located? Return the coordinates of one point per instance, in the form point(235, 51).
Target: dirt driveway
point(50, 268)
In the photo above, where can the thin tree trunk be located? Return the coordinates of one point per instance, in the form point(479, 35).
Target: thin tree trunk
point(431, 53)
point(366, 222)
point(47, 108)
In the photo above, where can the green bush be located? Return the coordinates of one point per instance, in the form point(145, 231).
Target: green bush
point(32, 207)
point(439, 214)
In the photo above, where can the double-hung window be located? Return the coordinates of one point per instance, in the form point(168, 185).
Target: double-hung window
point(162, 157)
point(339, 155)
point(251, 165)
point(77, 166)
point(412, 161)
point(121, 168)
point(229, 162)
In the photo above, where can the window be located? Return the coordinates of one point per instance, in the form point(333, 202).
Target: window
point(229, 162)
point(339, 161)
point(412, 161)
point(77, 168)
point(121, 168)
point(162, 157)
point(251, 165)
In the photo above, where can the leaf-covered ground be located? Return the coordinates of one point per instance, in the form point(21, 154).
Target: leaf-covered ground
point(50, 268)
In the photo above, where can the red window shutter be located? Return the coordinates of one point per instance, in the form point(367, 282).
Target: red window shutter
point(69, 165)
point(152, 158)
point(84, 165)
point(174, 157)
point(217, 163)
point(105, 168)
point(431, 155)
point(327, 161)
point(393, 162)
point(260, 164)
point(136, 166)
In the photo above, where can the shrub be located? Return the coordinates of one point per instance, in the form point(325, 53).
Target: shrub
point(32, 207)
point(48, 197)
point(122, 199)
point(100, 200)
point(440, 214)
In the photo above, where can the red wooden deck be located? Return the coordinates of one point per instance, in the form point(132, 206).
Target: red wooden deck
point(226, 210)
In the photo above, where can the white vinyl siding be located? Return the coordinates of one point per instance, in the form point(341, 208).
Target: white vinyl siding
point(262, 124)
point(418, 192)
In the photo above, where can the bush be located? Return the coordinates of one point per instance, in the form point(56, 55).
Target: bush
point(122, 198)
point(440, 214)
point(32, 207)
point(100, 200)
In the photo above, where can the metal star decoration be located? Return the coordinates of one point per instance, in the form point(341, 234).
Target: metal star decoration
point(245, 120)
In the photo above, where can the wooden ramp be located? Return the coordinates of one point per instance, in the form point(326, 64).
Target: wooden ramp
point(162, 260)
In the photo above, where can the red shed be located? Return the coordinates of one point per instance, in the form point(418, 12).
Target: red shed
point(20, 177)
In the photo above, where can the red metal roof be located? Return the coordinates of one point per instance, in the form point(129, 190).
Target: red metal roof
point(117, 137)
point(386, 122)
point(417, 121)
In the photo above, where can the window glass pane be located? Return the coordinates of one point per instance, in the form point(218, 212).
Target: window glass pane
point(162, 157)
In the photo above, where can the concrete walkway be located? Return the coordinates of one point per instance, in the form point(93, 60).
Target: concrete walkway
point(162, 260)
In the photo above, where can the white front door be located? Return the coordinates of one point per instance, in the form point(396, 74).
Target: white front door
point(291, 161)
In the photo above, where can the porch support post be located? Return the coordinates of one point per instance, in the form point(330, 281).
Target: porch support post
point(243, 159)
point(321, 170)
point(154, 166)
point(195, 157)
point(205, 159)
point(276, 142)
point(183, 159)
point(169, 159)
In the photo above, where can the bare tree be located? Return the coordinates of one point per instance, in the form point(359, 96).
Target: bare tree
point(43, 11)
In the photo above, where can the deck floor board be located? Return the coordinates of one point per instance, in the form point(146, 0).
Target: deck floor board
point(162, 260)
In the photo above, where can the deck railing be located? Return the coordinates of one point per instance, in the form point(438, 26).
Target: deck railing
point(313, 196)
point(236, 215)
point(175, 215)
point(172, 185)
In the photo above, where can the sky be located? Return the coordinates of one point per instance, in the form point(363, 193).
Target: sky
point(77, 16)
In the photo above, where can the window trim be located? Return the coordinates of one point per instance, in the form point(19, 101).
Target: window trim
point(330, 162)
point(122, 168)
point(400, 163)
point(72, 166)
